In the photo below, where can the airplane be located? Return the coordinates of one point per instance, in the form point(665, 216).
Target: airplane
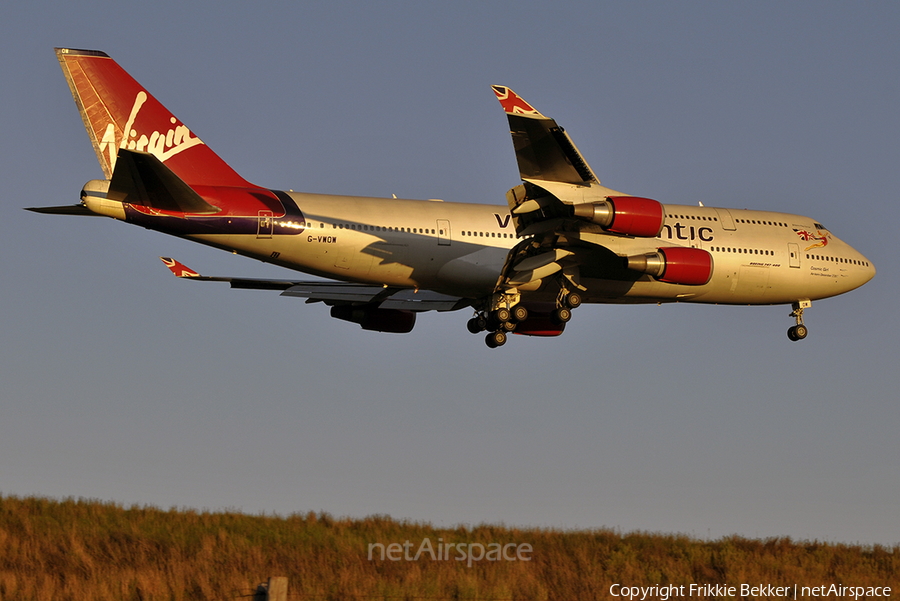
point(562, 240)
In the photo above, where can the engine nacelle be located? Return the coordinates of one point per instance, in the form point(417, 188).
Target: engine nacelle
point(539, 324)
point(629, 215)
point(675, 265)
point(377, 320)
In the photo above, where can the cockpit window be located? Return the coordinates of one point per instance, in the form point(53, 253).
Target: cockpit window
point(819, 226)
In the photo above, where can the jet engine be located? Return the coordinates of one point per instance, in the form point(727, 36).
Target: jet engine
point(539, 324)
point(675, 265)
point(377, 320)
point(629, 215)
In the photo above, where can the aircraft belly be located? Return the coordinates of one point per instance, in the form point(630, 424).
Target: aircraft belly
point(473, 273)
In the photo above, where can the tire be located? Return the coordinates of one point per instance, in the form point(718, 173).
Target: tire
point(573, 300)
point(519, 313)
point(509, 326)
point(792, 334)
point(474, 326)
point(562, 315)
point(800, 331)
point(495, 339)
point(501, 315)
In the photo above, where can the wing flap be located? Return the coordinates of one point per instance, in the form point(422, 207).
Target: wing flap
point(423, 300)
point(335, 292)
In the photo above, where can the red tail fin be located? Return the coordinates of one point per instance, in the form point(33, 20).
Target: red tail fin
point(119, 113)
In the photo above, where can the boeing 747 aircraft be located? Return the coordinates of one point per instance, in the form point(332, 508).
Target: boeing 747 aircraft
point(563, 240)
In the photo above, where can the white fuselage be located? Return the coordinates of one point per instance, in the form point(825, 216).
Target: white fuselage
point(459, 249)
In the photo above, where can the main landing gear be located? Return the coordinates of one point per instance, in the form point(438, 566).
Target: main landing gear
point(564, 305)
point(502, 320)
point(799, 331)
point(498, 322)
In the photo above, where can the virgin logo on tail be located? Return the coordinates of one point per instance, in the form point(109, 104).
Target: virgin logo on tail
point(162, 145)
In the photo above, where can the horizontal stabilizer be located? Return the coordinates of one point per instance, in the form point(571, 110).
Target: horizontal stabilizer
point(142, 179)
point(65, 210)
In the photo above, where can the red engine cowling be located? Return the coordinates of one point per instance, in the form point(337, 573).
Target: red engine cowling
point(688, 266)
point(374, 319)
point(675, 265)
point(539, 324)
point(629, 215)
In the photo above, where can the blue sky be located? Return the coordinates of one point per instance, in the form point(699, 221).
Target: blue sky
point(121, 383)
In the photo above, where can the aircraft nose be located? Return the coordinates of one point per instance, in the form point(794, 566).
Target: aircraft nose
point(868, 270)
point(871, 270)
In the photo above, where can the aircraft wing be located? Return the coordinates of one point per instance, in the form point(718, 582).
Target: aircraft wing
point(335, 293)
point(544, 150)
point(555, 176)
point(564, 215)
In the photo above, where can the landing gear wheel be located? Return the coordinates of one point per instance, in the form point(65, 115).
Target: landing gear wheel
point(797, 332)
point(800, 331)
point(562, 315)
point(508, 326)
point(573, 300)
point(495, 339)
point(519, 313)
point(475, 325)
point(501, 315)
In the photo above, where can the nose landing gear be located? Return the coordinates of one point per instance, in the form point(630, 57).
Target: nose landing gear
point(799, 331)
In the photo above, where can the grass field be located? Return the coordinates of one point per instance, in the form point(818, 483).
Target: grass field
point(89, 550)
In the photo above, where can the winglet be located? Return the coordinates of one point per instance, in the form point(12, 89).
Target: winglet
point(179, 269)
point(513, 104)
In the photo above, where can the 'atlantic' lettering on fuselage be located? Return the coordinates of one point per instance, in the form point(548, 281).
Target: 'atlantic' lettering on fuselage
point(703, 233)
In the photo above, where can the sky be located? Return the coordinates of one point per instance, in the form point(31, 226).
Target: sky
point(121, 383)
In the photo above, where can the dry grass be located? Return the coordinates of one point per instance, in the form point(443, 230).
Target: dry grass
point(84, 550)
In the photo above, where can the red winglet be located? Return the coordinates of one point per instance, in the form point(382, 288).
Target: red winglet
point(514, 104)
point(178, 269)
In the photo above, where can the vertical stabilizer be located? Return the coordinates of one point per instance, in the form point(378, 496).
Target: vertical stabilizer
point(119, 113)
